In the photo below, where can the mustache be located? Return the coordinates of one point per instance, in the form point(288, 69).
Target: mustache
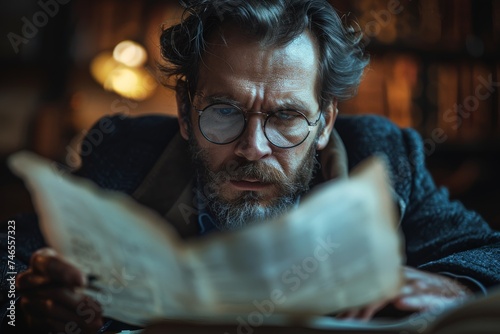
point(251, 170)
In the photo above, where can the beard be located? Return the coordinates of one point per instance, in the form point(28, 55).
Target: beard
point(248, 207)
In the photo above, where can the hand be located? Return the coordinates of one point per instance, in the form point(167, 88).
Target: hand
point(333, 158)
point(49, 296)
point(421, 291)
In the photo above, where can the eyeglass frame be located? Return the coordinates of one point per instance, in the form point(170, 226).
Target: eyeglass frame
point(245, 118)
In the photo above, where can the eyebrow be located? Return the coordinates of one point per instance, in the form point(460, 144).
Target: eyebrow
point(289, 104)
point(211, 99)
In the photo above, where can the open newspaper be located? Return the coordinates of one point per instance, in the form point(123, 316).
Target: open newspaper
point(339, 249)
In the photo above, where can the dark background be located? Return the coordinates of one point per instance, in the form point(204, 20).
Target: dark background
point(430, 59)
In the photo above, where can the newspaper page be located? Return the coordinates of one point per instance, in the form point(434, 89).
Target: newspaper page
point(339, 249)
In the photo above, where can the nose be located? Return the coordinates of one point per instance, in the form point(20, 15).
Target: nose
point(253, 144)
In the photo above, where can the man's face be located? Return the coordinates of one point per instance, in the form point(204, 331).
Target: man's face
point(250, 178)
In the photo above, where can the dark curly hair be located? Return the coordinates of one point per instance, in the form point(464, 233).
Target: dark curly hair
point(273, 23)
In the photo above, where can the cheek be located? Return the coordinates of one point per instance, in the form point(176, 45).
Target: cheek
point(217, 155)
point(292, 159)
point(214, 155)
point(289, 161)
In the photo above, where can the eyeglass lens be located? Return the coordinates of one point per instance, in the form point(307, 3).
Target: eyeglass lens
point(222, 124)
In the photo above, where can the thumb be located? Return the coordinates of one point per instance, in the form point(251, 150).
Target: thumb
point(47, 262)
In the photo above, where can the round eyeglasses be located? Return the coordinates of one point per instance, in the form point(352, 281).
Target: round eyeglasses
point(224, 123)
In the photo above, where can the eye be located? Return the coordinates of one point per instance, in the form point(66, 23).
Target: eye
point(286, 115)
point(225, 110)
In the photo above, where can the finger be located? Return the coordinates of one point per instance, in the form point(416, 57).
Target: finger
point(348, 315)
point(64, 296)
point(43, 252)
point(407, 289)
point(334, 158)
point(427, 302)
point(368, 312)
point(415, 303)
point(40, 309)
point(29, 280)
point(417, 281)
point(365, 313)
point(412, 273)
point(46, 262)
point(341, 315)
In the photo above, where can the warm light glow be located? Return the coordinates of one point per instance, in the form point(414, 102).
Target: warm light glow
point(122, 71)
point(102, 65)
point(130, 53)
point(132, 83)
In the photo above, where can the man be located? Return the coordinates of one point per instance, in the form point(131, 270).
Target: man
point(257, 87)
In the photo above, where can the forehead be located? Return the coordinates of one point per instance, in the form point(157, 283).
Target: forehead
point(235, 64)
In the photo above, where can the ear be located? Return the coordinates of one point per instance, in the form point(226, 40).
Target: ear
point(182, 109)
point(330, 115)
